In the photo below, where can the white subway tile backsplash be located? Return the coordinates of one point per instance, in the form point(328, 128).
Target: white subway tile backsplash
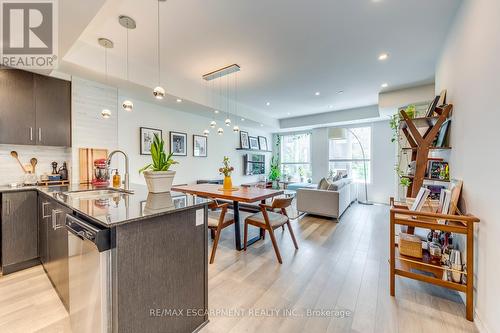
point(11, 172)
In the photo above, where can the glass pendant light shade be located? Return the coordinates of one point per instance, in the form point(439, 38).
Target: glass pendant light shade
point(128, 105)
point(213, 124)
point(206, 132)
point(236, 129)
point(227, 122)
point(220, 131)
point(159, 92)
point(106, 113)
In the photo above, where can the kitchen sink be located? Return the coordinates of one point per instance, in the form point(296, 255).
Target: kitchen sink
point(108, 192)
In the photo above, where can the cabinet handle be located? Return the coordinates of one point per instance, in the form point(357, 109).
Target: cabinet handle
point(54, 218)
point(44, 204)
point(31, 133)
point(8, 207)
point(39, 134)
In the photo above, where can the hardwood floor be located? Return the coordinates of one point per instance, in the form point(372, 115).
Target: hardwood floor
point(340, 267)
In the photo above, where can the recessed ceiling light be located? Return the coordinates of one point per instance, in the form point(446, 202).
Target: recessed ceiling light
point(317, 93)
point(383, 56)
point(242, 119)
point(288, 113)
point(340, 92)
point(384, 85)
point(330, 106)
point(261, 125)
point(268, 103)
point(179, 100)
point(216, 111)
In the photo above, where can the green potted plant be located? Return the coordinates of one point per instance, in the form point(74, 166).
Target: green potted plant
point(157, 174)
point(275, 172)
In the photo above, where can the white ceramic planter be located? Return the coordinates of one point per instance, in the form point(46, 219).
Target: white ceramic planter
point(159, 181)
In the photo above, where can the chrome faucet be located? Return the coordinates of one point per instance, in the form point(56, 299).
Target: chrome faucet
point(126, 177)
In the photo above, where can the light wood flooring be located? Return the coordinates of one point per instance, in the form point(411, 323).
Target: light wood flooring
point(339, 266)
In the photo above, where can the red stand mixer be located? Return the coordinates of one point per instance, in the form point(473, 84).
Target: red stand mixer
point(101, 173)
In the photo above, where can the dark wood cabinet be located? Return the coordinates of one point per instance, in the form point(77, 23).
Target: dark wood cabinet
point(19, 229)
point(54, 244)
point(44, 220)
point(17, 107)
point(53, 111)
point(34, 109)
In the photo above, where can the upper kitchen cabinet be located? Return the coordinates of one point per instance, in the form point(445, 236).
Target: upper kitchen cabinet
point(34, 109)
point(17, 107)
point(53, 111)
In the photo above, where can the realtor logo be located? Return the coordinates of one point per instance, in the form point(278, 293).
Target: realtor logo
point(29, 33)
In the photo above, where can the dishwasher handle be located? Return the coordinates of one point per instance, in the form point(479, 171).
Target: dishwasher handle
point(84, 230)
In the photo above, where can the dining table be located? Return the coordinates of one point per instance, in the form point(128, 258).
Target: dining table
point(237, 195)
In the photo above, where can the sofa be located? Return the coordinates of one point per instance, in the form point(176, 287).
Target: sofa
point(330, 198)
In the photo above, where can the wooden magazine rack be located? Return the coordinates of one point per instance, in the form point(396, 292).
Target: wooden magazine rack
point(425, 269)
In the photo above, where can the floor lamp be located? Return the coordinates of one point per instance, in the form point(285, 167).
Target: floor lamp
point(339, 133)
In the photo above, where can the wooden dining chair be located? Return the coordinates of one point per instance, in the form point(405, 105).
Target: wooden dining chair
point(268, 220)
point(218, 219)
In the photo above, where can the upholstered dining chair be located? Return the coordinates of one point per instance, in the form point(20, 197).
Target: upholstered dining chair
point(218, 219)
point(269, 220)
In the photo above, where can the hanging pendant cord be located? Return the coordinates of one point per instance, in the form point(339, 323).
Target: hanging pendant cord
point(158, 43)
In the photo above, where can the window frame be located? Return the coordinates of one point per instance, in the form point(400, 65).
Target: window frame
point(309, 164)
point(368, 160)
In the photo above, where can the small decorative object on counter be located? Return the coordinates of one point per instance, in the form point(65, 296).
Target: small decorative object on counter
point(226, 170)
point(30, 178)
point(63, 171)
point(157, 174)
point(54, 168)
point(101, 173)
point(116, 179)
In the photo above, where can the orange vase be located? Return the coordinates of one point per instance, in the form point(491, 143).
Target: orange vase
point(228, 183)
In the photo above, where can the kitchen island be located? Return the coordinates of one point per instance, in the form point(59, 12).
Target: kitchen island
point(138, 264)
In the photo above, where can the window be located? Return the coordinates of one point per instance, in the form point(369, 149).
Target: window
point(346, 154)
point(296, 156)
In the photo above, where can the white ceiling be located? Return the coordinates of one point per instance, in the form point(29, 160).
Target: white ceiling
point(287, 49)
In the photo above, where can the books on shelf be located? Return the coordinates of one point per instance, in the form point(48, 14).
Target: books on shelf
point(422, 195)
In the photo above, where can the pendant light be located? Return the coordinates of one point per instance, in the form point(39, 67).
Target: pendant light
point(236, 128)
point(106, 44)
point(228, 120)
point(128, 23)
point(206, 132)
point(159, 92)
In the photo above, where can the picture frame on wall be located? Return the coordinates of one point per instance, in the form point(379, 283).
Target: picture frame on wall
point(254, 142)
point(146, 135)
point(200, 143)
point(244, 141)
point(263, 143)
point(178, 143)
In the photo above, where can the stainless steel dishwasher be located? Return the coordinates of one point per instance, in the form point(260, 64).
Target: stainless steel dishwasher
point(90, 277)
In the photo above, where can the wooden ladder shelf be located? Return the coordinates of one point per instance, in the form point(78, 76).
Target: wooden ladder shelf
point(421, 144)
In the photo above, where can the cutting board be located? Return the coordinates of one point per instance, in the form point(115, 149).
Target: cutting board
point(87, 158)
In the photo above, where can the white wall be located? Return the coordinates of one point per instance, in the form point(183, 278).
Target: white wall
point(190, 168)
point(383, 180)
point(469, 69)
point(121, 131)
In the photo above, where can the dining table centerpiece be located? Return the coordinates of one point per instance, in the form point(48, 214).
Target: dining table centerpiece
point(226, 170)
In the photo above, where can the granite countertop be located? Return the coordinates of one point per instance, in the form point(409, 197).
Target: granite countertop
point(119, 207)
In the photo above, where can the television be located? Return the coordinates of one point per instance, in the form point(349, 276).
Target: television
point(254, 164)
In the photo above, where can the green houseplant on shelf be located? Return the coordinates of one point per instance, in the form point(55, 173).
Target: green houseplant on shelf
point(157, 174)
